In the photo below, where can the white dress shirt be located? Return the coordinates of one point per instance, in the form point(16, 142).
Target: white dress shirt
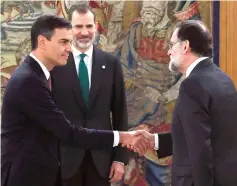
point(193, 65)
point(45, 70)
point(47, 75)
point(88, 60)
point(156, 142)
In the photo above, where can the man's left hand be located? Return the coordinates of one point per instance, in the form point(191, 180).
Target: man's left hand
point(116, 172)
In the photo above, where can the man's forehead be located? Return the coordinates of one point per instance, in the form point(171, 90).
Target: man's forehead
point(59, 31)
point(85, 24)
point(63, 33)
point(77, 16)
point(174, 36)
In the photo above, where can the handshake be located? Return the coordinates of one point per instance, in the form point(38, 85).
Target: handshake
point(139, 141)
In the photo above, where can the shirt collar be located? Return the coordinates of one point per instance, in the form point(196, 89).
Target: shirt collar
point(76, 52)
point(193, 65)
point(45, 70)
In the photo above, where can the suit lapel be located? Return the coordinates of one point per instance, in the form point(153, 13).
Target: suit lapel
point(96, 74)
point(37, 69)
point(72, 72)
point(203, 64)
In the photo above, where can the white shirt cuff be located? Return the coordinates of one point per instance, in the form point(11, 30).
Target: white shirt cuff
point(156, 142)
point(116, 138)
point(119, 162)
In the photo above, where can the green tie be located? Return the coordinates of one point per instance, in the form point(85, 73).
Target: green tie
point(84, 79)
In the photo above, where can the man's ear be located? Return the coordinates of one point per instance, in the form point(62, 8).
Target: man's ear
point(186, 47)
point(41, 41)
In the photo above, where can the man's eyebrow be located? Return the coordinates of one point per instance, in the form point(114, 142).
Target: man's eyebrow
point(63, 39)
point(82, 24)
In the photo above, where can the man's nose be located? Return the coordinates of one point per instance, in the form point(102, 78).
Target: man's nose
point(169, 52)
point(84, 31)
point(69, 48)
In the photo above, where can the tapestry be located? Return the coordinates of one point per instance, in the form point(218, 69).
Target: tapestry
point(138, 33)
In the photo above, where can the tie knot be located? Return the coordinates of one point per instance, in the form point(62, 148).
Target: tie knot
point(82, 56)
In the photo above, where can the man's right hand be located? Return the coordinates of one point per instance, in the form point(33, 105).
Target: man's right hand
point(139, 141)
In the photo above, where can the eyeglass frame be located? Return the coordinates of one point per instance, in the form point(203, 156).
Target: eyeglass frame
point(170, 45)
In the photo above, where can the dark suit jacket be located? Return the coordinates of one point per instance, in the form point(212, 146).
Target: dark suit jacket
point(107, 96)
point(165, 145)
point(32, 125)
point(204, 129)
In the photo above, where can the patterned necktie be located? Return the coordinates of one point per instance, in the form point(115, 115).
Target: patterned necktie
point(84, 79)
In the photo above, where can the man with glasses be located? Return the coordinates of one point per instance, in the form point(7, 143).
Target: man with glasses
point(204, 119)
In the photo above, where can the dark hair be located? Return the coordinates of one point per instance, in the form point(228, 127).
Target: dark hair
point(45, 25)
point(81, 9)
point(197, 34)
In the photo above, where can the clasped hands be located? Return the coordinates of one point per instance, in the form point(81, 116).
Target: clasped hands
point(139, 141)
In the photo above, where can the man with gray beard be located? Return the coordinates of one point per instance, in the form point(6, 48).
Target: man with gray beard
point(204, 119)
point(90, 89)
point(151, 88)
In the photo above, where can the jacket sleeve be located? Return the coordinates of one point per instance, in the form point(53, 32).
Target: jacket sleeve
point(196, 124)
point(119, 111)
point(165, 145)
point(36, 101)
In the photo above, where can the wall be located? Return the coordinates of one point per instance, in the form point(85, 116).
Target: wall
point(140, 40)
point(228, 38)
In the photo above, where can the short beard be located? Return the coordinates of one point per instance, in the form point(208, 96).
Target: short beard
point(173, 67)
point(83, 45)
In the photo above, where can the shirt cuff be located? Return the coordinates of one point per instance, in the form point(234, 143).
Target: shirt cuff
point(116, 138)
point(156, 142)
point(119, 162)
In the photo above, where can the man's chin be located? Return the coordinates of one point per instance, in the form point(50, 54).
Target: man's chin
point(172, 67)
point(84, 45)
point(62, 62)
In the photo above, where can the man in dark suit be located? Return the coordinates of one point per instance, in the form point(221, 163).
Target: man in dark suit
point(204, 119)
point(32, 125)
point(205, 116)
point(104, 94)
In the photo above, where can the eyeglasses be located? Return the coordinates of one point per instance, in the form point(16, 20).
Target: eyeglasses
point(171, 44)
